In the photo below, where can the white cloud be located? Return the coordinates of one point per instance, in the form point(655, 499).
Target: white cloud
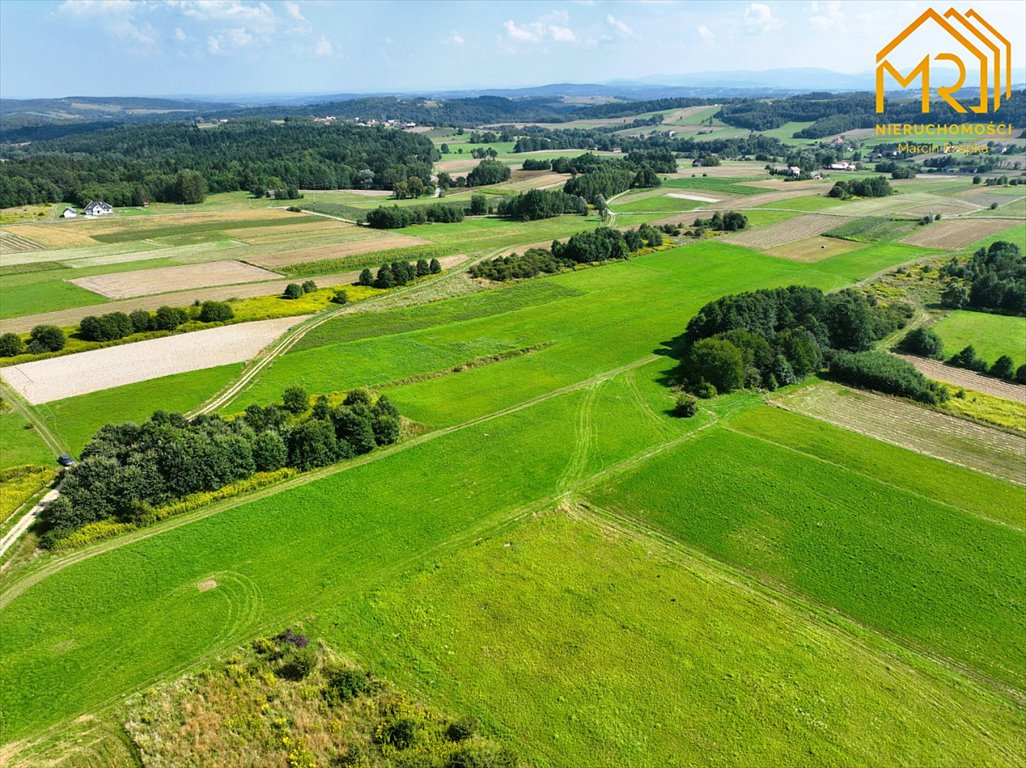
point(831, 17)
point(455, 38)
point(180, 34)
point(96, 7)
point(214, 46)
point(620, 26)
point(704, 32)
point(552, 27)
point(760, 16)
point(239, 37)
point(293, 10)
point(323, 47)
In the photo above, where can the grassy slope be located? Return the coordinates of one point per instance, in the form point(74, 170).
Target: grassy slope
point(301, 550)
point(990, 335)
point(586, 645)
point(892, 558)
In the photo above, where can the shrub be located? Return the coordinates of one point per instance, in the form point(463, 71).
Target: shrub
point(295, 400)
point(269, 451)
point(462, 729)
point(705, 390)
point(340, 297)
point(46, 338)
point(294, 291)
point(400, 733)
point(1003, 368)
point(216, 312)
point(685, 406)
point(142, 321)
point(169, 318)
point(924, 342)
point(297, 664)
point(1020, 374)
point(309, 286)
point(11, 345)
point(967, 359)
point(717, 362)
point(345, 684)
point(288, 637)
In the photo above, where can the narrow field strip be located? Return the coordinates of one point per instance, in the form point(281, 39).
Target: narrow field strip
point(955, 233)
point(57, 378)
point(145, 282)
point(990, 451)
point(793, 230)
point(962, 377)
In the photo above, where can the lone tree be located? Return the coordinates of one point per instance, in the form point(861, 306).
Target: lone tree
point(435, 266)
point(295, 400)
point(294, 291)
point(924, 342)
point(216, 312)
point(11, 345)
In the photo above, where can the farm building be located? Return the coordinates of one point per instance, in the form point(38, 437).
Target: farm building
point(68, 213)
point(98, 208)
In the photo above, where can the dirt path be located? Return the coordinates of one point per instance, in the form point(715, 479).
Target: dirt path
point(26, 521)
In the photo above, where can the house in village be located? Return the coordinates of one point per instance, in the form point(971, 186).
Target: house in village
point(68, 213)
point(98, 208)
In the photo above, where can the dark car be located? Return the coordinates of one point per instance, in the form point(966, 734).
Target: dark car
point(64, 460)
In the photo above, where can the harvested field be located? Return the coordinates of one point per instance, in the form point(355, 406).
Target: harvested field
point(699, 198)
point(731, 171)
point(146, 282)
point(13, 243)
point(337, 250)
point(984, 197)
point(812, 249)
point(284, 233)
point(62, 234)
point(899, 422)
point(966, 379)
point(790, 231)
point(956, 233)
point(533, 180)
point(947, 207)
point(66, 317)
point(57, 378)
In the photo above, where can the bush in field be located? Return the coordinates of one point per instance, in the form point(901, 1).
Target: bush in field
point(400, 733)
point(216, 312)
point(1020, 374)
point(11, 345)
point(46, 338)
point(435, 266)
point(298, 663)
point(294, 291)
point(309, 286)
point(169, 318)
point(312, 444)
point(295, 399)
point(142, 321)
point(109, 327)
point(685, 406)
point(1003, 368)
point(924, 342)
point(345, 684)
point(716, 362)
point(340, 297)
point(366, 278)
point(967, 358)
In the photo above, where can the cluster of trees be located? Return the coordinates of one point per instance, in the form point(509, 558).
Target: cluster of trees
point(399, 273)
point(993, 280)
point(298, 290)
point(540, 204)
point(874, 186)
point(128, 470)
point(179, 162)
point(488, 172)
point(731, 221)
point(117, 325)
point(394, 217)
point(926, 343)
point(531, 164)
point(775, 337)
point(42, 339)
point(532, 262)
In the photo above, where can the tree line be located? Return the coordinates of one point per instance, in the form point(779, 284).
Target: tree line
point(926, 343)
point(600, 245)
point(775, 337)
point(874, 186)
point(127, 471)
point(399, 273)
point(129, 165)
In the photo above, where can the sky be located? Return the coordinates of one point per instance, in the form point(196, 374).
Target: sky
point(52, 48)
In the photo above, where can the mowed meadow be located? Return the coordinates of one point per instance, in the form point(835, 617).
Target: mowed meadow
point(601, 583)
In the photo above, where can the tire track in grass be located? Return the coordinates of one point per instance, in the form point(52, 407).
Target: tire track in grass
point(585, 439)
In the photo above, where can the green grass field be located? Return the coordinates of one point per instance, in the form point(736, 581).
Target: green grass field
point(600, 583)
point(713, 184)
point(812, 203)
point(20, 444)
point(883, 553)
point(990, 335)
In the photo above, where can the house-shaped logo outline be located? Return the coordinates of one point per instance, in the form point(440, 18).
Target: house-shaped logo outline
point(922, 69)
